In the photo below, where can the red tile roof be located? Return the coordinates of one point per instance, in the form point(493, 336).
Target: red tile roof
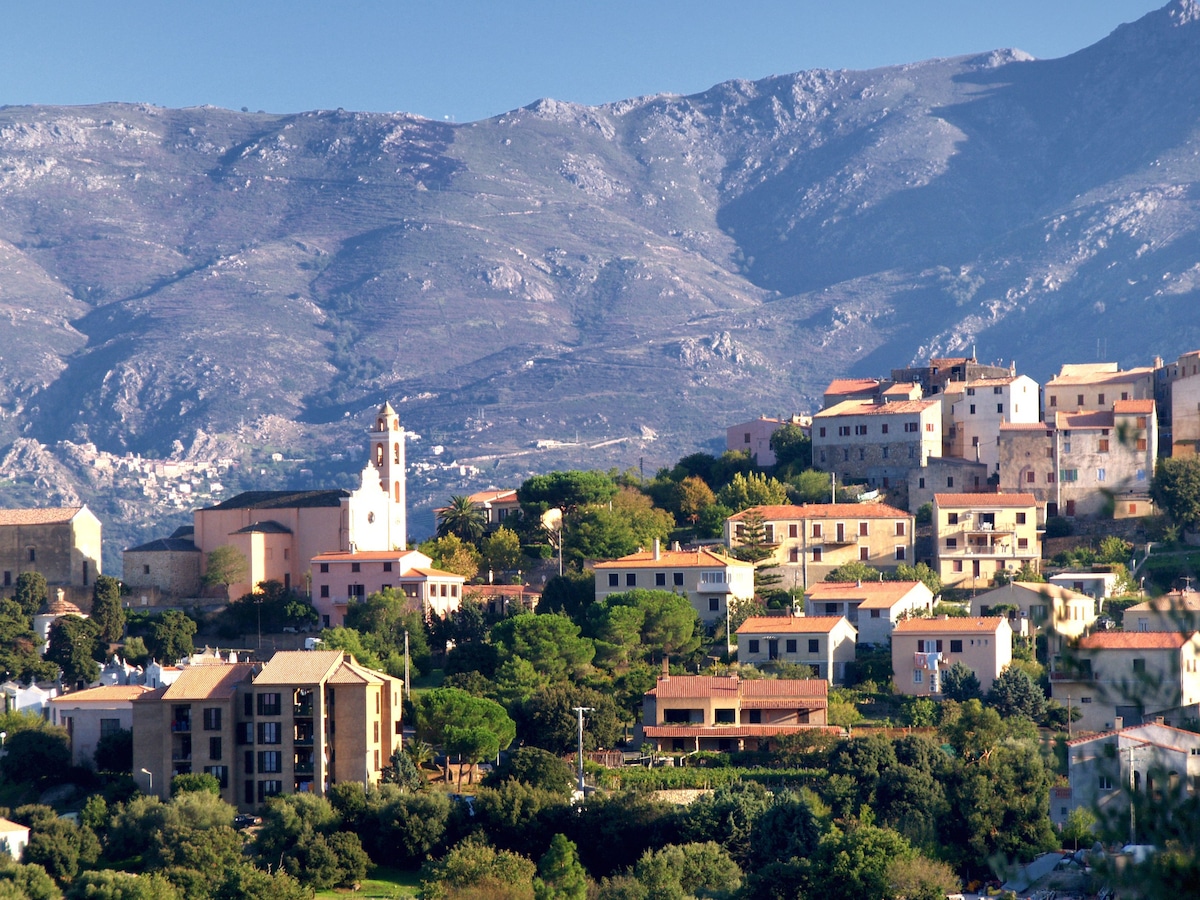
point(1134, 640)
point(950, 625)
point(209, 682)
point(1133, 407)
point(672, 559)
point(986, 501)
point(731, 687)
point(873, 594)
point(851, 385)
point(867, 408)
point(106, 693)
point(1027, 426)
point(366, 555)
point(482, 497)
point(790, 624)
point(825, 511)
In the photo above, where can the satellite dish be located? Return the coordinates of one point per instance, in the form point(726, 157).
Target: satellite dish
point(552, 520)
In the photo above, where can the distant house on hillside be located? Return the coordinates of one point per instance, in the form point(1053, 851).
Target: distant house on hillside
point(710, 581)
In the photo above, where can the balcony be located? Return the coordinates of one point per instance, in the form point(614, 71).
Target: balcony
point(179, 725)
point(303, 768)
point(303, 710)
point(844, 538)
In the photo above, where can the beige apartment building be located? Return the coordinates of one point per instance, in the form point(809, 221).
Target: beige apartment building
point(877, 443)
point(810, 541)
point(923, 649)
point(711, 582)
point(1051, 609)
point(305, 721)
point(1118, 678)
point(63, 544)
point(686, 713)
point(979, 535)
point(823, 643)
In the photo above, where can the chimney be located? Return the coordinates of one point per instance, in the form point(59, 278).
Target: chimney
point(666, 667)
point(657, 549)
point(1118, 723)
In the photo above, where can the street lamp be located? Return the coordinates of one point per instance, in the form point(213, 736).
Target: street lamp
point(579, 711)
point(149, 775)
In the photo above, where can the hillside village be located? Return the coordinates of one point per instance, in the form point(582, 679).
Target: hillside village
point(889, 551)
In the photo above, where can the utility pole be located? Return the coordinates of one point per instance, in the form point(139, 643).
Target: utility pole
point(579, 711)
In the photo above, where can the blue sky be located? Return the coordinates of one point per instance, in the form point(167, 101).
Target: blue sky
point(469, 59)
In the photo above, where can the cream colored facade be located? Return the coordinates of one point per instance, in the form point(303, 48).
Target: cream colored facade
point(873, 607)
point(279, 532)
point(978, 535)
point(307, 720)
point(1177, 611)
point(710, 582)
point(1119, 677)
point(339, 579)
point(978, 408)
point(808, 542)
point(1185, 406)
point(1058, 612)
point(685, 713)
point(1096, 386)
point(877, 443)
point(63, 544)
point(923, 649)
point(824, 643)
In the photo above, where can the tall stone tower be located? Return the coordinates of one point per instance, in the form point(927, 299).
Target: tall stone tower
point(387, 455)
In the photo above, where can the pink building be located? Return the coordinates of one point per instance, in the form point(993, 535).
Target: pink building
point(341, 578)
point(923, 649)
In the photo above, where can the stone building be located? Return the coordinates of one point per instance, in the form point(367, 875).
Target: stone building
point(61, 543)
point(163, 569)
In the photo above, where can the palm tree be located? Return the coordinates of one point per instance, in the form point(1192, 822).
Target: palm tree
point(461, 518)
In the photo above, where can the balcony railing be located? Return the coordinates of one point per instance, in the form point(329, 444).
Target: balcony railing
point(303, 710)
point(181, 725)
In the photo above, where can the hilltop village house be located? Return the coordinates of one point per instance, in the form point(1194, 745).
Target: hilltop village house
point(61, 543)
point(339, 579)
point(710, 581)
point(873, 607)
point(808, 542)
point(923, 649)
point(823, 643)
point(725, 712)
point(978, 536)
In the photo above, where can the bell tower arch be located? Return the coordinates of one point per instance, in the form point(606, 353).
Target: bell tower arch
point(387, 456)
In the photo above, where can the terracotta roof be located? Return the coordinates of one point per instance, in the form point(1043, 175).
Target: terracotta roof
point(852, 385)
point(1133, 407)
point(106, 693)
point(873, 594)
point(56, 607)
point(986, 501)
point(1046, 589)
point(993, 382)
point(45, 516)
point(1088, 418)
point(730, 731)
point(366, 555)
point(433, 573)
point(208, 682)
point(1027, 426)
point(825, 511)
point(950, 625)
point(731, 686)
point(901, 388)
point(1096, 373)
point(482, 497)
point(867, 408)
point(299, 667)
point(790, 624)
point(672, 559)
point(1134, 640)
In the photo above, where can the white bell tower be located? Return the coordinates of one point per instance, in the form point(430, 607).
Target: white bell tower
point(387, 456)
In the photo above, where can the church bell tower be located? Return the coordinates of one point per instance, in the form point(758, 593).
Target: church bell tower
point(387, 456)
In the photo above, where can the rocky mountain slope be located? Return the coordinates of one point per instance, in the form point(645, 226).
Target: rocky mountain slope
point(650, 270)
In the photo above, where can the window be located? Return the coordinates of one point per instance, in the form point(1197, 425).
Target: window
point(997, 390)
point(862, 454)
point(324, 568)
point(714, 604)
point(769, 533)
point(268, 704)
point(864, 554)
point(790, 646)
point(950, 481)
point(843, 431)
point(901, 552)
point(630, 579)
point(1068, 475)
point(1022, 543)
point(109, 726)
point(268, 789)
point(724, 716)
point(1102, 445)
point(793, 530)
point(955, 645)
point(900, 528)
point(1053, 400)
point(752, 646)
point(221, 773)
point(212, 718)
point(712, 577)
point(863, 529)
point(885, 452)
point(145, 570)
point(746, 437)
point(956, 565)
point(1141, 444)
point(614, 580)
point(1141, 420)
point(918, 676)
point(270, 761)
point(1049, 478)
point(874, 614)
point(814, 645)
point(1020, 518)
point(816, 554)
point(678, 578)
point(660, 579)
point(970, 392)
point(910, 427)
point(1100, 399)
point(883, 428)
point(1139, 667)
point(794, 555)
point(921, 483)
point(1105, 781)
point(1029, 477)
point(214, 748)
point(860, 429)
point(245, 732)
point(952, 518)
point(999, 407)
point(929, 426)
point(1141, 476)
point(387, 567)
point(972, 409)
point(755, 716)
point(1079, 399)
point(816, 529)
point(269, 733)
point(975, 440)
point(325, 590)
point(822, 431)
point(32, 554)
point(1100, 474)
point(355, 567)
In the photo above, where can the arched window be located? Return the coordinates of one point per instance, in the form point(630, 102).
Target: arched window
point(397, 491)
point(396, 453)
point(378, 455)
